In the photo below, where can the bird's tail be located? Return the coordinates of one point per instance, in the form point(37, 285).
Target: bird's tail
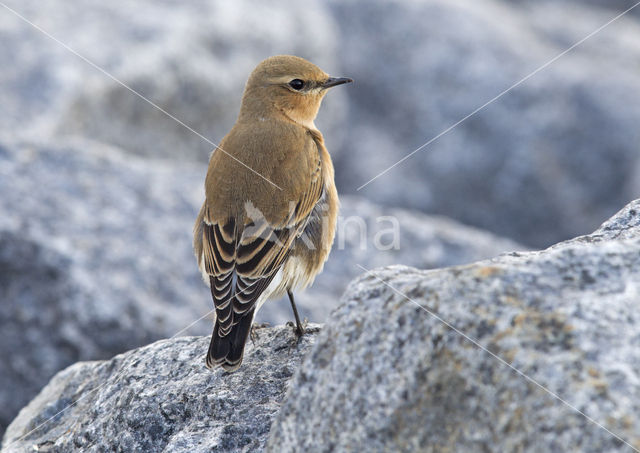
point(227, 350)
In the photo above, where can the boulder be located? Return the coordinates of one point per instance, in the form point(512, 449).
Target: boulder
point(381, 236)
point(499, 355)
point(95, 257)
point(33, 279)
point(162, 398)
point(535, 351)
point(545, 162)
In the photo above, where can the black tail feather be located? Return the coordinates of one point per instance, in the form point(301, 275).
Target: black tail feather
point(227, 351)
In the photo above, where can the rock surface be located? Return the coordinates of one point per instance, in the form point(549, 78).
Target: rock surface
point(33, 280)
point(546, 162)
point(386, 374)
point(162, 398)
point(618, 6)
point(378, 236)
point(95, 260)
point(96, 257)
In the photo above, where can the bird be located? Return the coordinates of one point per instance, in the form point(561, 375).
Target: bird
point(269, 216)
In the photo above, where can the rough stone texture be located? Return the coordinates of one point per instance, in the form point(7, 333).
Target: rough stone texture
point(33, 279)
point(162, 398)
point(386, 375)
point(546, 162)
point(190, 58)
point(366, 233)
point(96, 257)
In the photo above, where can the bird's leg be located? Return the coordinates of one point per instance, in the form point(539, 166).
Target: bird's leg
point(299, 326)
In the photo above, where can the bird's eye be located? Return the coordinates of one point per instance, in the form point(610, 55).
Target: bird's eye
point(296, 84)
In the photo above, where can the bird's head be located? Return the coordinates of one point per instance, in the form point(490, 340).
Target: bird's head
point(287, 85)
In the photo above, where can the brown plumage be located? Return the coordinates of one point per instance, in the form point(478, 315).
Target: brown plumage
point(268, 220)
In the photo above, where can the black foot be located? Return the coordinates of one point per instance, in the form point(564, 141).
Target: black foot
point(298, 330)
point(301, 328)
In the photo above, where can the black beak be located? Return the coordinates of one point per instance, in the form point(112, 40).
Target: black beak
point(334, 81)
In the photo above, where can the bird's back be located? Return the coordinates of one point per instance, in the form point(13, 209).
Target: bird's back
point(266, 164)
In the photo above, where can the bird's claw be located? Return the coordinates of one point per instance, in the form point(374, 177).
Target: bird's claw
point(299, 329)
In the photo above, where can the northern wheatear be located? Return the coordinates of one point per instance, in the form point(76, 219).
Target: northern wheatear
point(269, 217)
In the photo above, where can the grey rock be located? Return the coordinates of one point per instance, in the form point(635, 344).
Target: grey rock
point(162, 398)
point(398, 366)
point(545, 162)
point(96, 253)
point(191, 59)
point(378, 236)
point(617, 6)
point(33, 278)
point(95, 258)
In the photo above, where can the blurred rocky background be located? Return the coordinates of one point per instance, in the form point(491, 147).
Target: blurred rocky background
point(99, 189)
